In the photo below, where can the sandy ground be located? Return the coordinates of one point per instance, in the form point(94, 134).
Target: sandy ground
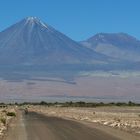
point(3, 116)
point(107, 88)
point(16, 129)
point(119, 118)
point(58, 123)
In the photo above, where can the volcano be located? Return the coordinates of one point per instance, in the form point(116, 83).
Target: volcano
point(33, 42)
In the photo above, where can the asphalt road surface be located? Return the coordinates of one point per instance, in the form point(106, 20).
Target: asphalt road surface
point(38, 127)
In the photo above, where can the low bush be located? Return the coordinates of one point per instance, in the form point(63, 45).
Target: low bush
point(3, 120)
point(4, 111)
point(12, 114)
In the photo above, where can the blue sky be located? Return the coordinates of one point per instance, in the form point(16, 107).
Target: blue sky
point(79, 19)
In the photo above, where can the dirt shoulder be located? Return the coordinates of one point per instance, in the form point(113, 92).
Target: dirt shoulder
point(16, 129)
point(7, 115)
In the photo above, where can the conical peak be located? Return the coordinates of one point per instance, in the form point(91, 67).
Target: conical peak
point(32, 19)
point(35, 20)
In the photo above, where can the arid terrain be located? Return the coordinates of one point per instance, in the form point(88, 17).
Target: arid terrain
point(59, 123)
point(123, 118)
point(69, 70)
point(114, 123)
point(6, 116)
point(105, 88)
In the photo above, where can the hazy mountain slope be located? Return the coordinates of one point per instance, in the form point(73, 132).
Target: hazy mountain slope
point(31, 41)
point(119, 45)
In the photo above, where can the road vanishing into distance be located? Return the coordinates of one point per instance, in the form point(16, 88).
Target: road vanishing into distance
point(39, 127)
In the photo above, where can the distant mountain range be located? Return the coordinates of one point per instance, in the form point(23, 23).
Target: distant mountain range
point(118, 45)
point(33, 42)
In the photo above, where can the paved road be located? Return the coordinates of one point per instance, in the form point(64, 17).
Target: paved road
point(38, 127)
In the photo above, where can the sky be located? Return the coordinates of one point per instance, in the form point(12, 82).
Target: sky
point(78, 19)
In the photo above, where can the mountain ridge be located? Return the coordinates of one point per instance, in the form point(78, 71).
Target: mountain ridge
point(31, 41)
point(116, 45)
